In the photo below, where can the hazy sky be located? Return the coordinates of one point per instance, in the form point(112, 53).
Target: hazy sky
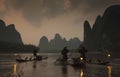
point(37, 18)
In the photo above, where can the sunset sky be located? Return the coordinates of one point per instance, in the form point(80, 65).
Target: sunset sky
point(36, 18)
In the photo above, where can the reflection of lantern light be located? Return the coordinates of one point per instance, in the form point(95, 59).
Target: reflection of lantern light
point(15, 66)
point(109, 70)
point(81, 73)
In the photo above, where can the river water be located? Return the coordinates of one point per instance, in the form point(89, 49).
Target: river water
point(47, 68)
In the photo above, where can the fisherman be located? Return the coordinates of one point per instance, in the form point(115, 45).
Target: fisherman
point(36, 57)
point(83, 51)
point(64, 53)
point(18, 57)
point(35, 53)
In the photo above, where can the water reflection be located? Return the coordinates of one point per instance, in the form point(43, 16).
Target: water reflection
point(34, 64)
point(109, 71)
point(81, 73)
point(64, 70)
point(15, 69)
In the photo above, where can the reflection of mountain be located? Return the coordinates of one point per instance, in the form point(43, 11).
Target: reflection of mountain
point(105, 31)
point(10, 39)
point(58, 43)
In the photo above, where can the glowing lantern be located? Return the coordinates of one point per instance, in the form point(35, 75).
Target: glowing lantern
point(108, 55)
point(81, 58)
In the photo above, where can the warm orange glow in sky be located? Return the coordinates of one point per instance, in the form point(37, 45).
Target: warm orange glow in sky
point(36, 18)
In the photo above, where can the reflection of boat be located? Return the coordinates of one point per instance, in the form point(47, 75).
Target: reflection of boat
point(100, 63)
point(39, 58)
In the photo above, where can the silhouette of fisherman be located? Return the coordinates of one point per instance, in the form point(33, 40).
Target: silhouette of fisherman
point(35, 53)
point(36, 57)
point(64, 53)
point(83, 51)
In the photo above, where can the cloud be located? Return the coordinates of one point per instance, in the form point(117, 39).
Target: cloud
point(36, 10)
point(2, 8)
point(48, 17)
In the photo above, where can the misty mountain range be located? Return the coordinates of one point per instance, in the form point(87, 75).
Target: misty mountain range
point(11, 41)
point(58, 43)
point(103, 34)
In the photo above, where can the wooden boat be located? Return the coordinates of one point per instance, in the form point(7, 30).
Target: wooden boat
point(21, 60)
point(70, 62)
point(39, 58)
point(80, 64)
point(77, 62)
